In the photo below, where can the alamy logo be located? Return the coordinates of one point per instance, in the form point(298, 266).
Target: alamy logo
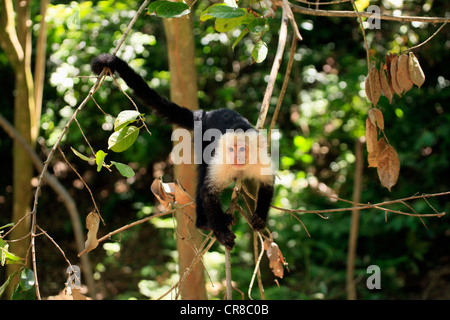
point(74, 20)
point(374, 281)
point(374, 20)
point(74, 278)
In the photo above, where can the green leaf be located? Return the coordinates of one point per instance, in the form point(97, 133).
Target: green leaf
point(258, 25)
point(80, 155)
point(26, 281)
point(121, 140)
point(225, 25)
point(100, 159)
point(259, 52)
point(154, 5)
point(169, 9)
point(5, 285)
point(7, 257)
point(240, 37)
point(124, 169)
point(25, 288)
point(125, 118)
point(226, 12)
point(205, 14)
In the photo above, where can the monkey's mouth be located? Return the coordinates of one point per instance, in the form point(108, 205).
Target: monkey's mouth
point(238, 165)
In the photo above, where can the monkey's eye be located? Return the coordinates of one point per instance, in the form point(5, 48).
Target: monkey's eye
point(241, 149)
point(231, 149)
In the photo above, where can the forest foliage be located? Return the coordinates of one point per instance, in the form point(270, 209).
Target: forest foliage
point(328, 105)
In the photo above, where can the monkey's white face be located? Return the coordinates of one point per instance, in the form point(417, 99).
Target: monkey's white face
point(240, 156)
point(237, 156)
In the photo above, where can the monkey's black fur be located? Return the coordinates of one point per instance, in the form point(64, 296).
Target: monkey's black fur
point(210, 215)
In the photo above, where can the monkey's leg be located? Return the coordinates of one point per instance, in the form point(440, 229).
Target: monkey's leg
point(265, 195)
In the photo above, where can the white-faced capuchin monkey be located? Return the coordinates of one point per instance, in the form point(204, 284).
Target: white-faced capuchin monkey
point(239, 153)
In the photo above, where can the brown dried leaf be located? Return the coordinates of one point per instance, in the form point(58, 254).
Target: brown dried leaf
point(92, 224)
point(385, 87)
point(388, 167)
point(381, 145)
point(403, 78)
point(393, 74)
point(372, 159)
point(273, 252)
point(164, 192)
point(415, 71)
point(387, 66)
point(371, 136)
point(376, 117)
point(181, 196)
point(276, 259)
point(77, 295)
point(372, 86)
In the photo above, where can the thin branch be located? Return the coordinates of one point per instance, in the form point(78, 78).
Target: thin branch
point(431, 37)
point(274, 71)
point(130, 225)
point(290, 16)
point(322, 3)
point(228, 274)
point(258, 273)
point(380, 206)
point(301, 222)
point(363, 33)
point(352, 14)
point(195, 261)
point(256, 266)
point(283, 88)
point(84, 182)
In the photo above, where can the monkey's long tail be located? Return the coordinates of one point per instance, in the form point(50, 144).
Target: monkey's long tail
point(172, 112)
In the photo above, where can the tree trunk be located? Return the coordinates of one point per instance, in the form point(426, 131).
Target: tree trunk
point(16, 41)
point(181, 51)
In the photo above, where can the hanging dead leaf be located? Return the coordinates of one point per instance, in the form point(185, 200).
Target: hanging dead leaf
point(415, 71)
point(372, 159)
point(385, 87)
point(393, 74)
point(181, 196)
point(371, 136)
point(381, 145)
point(376, 117)
point(275, 260)
point(372, 86)
point(77, 295)
point(92, 224)
point(388, 167)
point(387, 66)
point(164, 192)
point(403, 78)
